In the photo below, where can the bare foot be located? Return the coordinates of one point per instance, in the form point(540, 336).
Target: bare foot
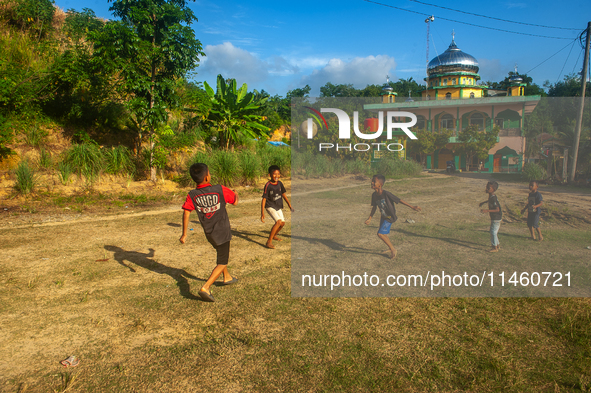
point(390, 254)
point(269, 245)
point(276, 238)
point(541, 238)
point(494, 249)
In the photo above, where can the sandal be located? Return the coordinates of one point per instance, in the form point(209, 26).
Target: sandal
point(71, 361)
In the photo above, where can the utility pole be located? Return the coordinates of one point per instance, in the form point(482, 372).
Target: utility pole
point(573, 167)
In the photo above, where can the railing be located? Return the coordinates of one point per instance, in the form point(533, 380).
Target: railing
point(510, 132)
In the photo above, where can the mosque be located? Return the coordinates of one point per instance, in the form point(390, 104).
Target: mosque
point(453, 100)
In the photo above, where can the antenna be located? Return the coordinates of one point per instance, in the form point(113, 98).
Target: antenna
point(428, 22)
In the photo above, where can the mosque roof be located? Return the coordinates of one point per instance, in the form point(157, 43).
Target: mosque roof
point(454, 57)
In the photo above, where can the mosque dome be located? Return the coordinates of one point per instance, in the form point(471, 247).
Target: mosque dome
point(453, 59)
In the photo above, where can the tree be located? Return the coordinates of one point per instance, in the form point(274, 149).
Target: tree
point(234, 112)
point(152, 46)
point(475, 143)
point(569, 87)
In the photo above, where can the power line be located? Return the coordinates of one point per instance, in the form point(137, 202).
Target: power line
point(577, 62)
point(492, 17)
point(564, 65)
point(551, 56)
point(466, 23)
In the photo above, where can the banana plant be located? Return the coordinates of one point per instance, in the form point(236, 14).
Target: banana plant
point(234, 112)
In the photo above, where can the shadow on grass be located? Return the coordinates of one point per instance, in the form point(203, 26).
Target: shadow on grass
point(248, 236)
point(457, 242)
point(175, 225)
point(335, 245)
point(145, 260)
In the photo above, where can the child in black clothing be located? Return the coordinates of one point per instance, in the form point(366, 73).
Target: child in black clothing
point(272, 202)
point(496, 215)
point(210, 203)
point(534, 202)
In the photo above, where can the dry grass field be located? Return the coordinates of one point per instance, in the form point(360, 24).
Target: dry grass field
point(87, 276)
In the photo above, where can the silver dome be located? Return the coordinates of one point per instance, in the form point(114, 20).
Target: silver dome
point(453, 56)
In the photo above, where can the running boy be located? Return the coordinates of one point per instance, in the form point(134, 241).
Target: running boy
point(385, 200)
point(210, 203)
point(496, 214)
point(534, 202)
point(272, 202)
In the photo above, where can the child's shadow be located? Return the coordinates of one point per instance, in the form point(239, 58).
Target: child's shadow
point(144, 260)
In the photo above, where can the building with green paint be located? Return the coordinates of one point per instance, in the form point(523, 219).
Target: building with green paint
point(453, 101)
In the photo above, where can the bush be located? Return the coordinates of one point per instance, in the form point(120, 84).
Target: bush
point(225, 168)
point(65, 171)
point(250, 166)
point(118, 161)
point(396, 168)
point(86, 159)
point(532, 171)
point(45, 159)
point(25, 178)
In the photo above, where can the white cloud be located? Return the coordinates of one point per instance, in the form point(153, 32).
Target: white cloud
point(492, 70)
point(359, 72)
point(233, 62)
point(244, 66)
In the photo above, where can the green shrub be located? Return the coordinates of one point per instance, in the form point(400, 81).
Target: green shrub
point(25, 178)
point(65, 171)
point(86, 159)
point(225, 169)
point(200, 157)
point(118, 161)
point(45, 159)
point(396, 168)
point(35, 137)
point(532, 171)
point(250, 166)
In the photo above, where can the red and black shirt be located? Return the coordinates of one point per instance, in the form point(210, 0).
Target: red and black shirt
point(273, 194)
point(210, 203)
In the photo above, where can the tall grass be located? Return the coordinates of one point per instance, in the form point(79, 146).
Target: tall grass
point(532, 171)
point(225, 168)
point(25, 178)
point(35, 136)
point(250, 166)
point(271, 155)
point(397, 168)
point(86, 159)
point(118, 161)
point(45, 159)
point(64, 172)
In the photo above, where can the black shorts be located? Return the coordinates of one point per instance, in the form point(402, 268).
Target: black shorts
point(223, 251)
point(533, 219)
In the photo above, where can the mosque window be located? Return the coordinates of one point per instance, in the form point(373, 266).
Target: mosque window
point(390, 99)
point(448, 96)
point(477, 119)
point(421, 122)
point(447, 122)
point(471, 95)
point(445, 82)
point(453, 81)
point(499, 123)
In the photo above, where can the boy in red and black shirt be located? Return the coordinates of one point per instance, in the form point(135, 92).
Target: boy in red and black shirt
point(210, 203)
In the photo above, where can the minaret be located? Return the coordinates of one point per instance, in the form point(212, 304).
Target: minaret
point(388, 93)
point(516, 85)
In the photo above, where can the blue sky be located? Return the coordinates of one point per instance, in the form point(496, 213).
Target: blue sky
point(278, 46)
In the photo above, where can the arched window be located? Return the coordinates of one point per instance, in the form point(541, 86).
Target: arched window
point(390, 99)
point(421, 121)
point(445, 82)
point(477, 119)
point(448, 96)
point(453, 81)
point(471, 95)
point(447, 122)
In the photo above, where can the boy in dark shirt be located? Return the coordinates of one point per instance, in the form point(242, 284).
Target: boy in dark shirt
point(210, 203)
point(496, 215)
point(385, 200)
point(272, 202)
point(534, 202)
